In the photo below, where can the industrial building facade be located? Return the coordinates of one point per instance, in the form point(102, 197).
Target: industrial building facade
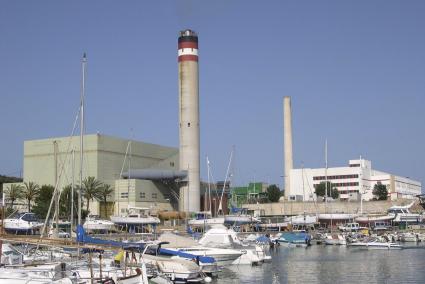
point(353, 182)
point(49, 160)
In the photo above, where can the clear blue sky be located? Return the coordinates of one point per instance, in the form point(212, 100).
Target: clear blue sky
point(355, 71)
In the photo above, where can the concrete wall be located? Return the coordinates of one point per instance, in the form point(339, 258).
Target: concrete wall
point(295, 208)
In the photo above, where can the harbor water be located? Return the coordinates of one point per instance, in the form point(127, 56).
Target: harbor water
point(333, 264)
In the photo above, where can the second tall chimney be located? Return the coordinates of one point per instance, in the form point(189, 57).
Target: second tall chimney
point(287, 140)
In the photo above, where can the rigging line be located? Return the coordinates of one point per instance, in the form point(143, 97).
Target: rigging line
point(60, 175)
point(310, 189)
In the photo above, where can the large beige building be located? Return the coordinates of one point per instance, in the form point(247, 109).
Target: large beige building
point(48, 161)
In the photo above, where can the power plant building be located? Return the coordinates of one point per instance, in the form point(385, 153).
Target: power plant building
point(353, 182)
point(49, 160)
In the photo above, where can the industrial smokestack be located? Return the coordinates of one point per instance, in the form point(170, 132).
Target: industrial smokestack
point(189, 119)
point(287, 140)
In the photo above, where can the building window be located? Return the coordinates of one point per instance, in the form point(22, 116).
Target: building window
point(154, 195)
point(124, 194)
point(142, 195)
point(171, 164)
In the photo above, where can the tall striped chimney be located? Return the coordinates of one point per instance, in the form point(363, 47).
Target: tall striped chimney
point(189, 119)
point(287, 140)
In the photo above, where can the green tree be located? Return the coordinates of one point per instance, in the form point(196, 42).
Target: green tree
point(30, 192)
point(42, 200)
point(380, 191)
point(91, 189)
point(7, 179)
point(104, 192)
point(65, 202)
point(14, 192)
point(273, 193)
point(321, 190)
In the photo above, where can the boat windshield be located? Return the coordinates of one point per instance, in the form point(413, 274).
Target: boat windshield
point(29, 217)
point(397, 211)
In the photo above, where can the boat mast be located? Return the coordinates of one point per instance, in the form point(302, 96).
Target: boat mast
point(302, 173)
point(72, 189)
point(129, 174)
point(220, 205)
point(326, 175)
point(83, 90)
point(360, 186)
point(57, 196)
point(209, 185)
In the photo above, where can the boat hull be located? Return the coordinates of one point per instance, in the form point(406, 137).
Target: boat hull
point(134, 221)
point(203, 222)
point(372, 219)
point(239, 220)
point(375, 245)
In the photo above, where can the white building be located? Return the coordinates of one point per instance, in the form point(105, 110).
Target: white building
point(357, 179)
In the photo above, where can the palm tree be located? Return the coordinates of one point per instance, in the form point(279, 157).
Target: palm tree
point(91, 189)
point(104, 192)
point(30, 192)
point(14, 192)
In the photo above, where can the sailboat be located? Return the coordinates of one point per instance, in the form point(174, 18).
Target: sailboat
point(205, 218)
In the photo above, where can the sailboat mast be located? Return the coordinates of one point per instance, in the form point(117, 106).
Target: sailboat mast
point(83, 90)
point(326, 175)
point(72, 190)
point(129, 175)
point(55, 151)
point(209, 184)
point(220, 205)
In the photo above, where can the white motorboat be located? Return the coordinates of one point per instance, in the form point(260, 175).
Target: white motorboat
point(372, 218)
point(205, 219)
point(241, 218)
point(335, 239)
point(136, 217)
point(221, 237)
point(408, 237)
point(42, 273)
point(375, 245)
point(26, 223)
point(94, 223)
point(403, 214)
point(222, 256)
point(223, 245)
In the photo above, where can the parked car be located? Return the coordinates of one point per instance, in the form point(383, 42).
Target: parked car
point(349, 227)
point(61, 234)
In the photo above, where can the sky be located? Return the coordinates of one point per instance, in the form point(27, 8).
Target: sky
point(355, 71)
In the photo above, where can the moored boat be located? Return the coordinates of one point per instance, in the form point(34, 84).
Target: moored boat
point(205, 219)
point(296, 239)
point(136, 218)
point(335, 239)
point(375, 245)
point(26, 223)
point(95, 223)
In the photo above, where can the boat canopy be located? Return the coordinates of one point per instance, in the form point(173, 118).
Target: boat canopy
point(155, 174)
